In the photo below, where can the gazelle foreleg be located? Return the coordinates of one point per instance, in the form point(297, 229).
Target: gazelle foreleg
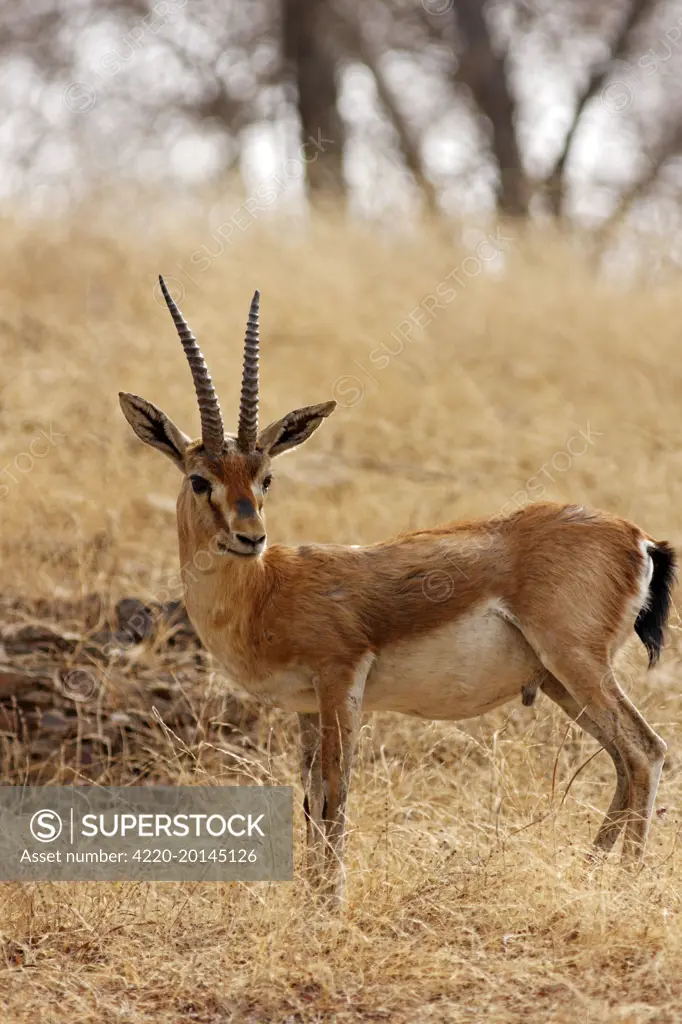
point(615, 817)
point(340, 702)
point(313, 795)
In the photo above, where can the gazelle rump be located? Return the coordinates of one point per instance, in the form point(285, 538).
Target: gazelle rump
point(444, 623)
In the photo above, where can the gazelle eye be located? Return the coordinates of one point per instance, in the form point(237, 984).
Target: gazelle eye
point(200, 485)
point(266, 483)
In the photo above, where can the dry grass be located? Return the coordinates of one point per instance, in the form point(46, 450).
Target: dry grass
point(467, 898)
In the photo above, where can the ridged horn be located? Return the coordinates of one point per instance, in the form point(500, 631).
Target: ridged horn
point(247, 432)
point(212, 430)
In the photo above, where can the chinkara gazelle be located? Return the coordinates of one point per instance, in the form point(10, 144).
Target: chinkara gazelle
point(444, 623)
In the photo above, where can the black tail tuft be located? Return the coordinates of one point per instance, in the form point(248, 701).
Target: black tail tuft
point(653, 617)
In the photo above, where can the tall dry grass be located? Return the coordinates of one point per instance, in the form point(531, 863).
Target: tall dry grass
point(467, 898)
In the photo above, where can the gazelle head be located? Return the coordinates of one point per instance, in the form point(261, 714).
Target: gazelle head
point(226, 476)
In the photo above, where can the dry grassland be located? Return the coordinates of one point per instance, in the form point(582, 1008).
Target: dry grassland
point(467, 898)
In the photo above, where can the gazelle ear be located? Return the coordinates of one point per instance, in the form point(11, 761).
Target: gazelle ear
point(293, 429)
point(154, 428)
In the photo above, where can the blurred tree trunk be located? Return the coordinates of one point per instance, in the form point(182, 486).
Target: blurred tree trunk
point(308, 52)
point(485, 74)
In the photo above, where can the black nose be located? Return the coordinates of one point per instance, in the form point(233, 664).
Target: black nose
point(251, 542)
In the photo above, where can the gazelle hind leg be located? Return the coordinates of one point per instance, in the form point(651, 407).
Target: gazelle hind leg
point(615, 817)
point(593, 686)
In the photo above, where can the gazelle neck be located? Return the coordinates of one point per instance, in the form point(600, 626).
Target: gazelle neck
point(217, 586)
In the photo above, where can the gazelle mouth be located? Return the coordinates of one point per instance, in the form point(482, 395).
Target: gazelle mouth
point(225, 549)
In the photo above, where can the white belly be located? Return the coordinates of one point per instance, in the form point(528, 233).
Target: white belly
point(457, 671)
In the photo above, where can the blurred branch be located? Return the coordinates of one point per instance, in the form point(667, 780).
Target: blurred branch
point(554, 184)
point(638, 190)
point(360, 46)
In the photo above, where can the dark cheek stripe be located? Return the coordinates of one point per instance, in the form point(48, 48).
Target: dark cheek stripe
point(217, 515)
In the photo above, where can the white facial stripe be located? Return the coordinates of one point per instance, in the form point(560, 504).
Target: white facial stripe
point(219, 493)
